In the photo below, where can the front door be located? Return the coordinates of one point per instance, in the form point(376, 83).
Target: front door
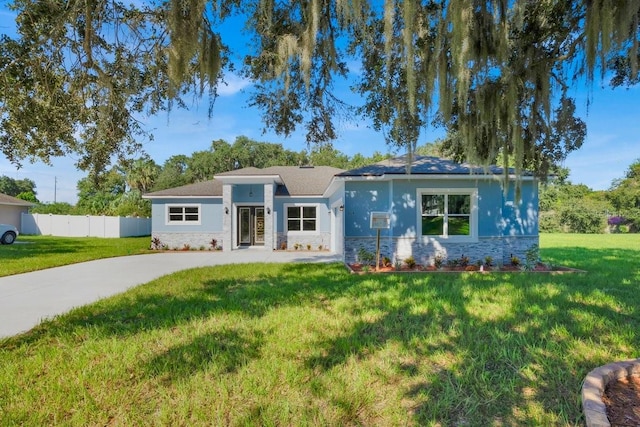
point(250, 225)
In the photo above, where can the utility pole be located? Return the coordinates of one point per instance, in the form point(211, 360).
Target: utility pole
point(55, 188)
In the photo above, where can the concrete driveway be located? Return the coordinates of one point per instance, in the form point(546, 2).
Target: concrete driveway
point(29, 298)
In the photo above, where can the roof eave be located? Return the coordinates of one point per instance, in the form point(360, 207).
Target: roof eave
point(389, 176)
point(168, 196)
point(249, 179)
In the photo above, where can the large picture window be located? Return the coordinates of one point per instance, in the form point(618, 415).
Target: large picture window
point(186, 214)
point(302, 218)
point(447, 214)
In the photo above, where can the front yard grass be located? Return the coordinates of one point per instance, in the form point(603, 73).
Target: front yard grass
point(31, 253)
point(309, 344)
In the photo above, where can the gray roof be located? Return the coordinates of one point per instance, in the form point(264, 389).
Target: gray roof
point(296, 180)
point(10, 200)
point(422, 165)
point(292, 181)
point(211, 188)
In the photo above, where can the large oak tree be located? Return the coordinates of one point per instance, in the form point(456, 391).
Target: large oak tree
point(497, 72)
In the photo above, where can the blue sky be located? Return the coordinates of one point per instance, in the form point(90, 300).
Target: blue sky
point(612, 144)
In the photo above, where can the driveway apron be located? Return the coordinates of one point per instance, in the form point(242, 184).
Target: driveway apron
point(29, 298)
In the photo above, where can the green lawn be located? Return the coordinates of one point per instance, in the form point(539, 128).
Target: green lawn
point(30, 253)
point(299, 345)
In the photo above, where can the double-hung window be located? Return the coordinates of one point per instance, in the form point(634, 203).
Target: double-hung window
point(302, 218)
point(183, 214)
point(448, 213)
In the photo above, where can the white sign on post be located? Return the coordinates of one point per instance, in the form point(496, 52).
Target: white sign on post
point(380, 220)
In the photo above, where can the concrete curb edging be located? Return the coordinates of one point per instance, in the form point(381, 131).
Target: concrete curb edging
point(595, 411)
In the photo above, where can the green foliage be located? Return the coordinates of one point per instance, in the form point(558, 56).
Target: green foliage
point(515, 261)
point(566, 207)
point(532, 257)
point(582, 219)
point(365, 257)
point(78, 75)
point(28, 196)
point(14, 187)
point(410, 262)
point(58, 208)
point(624, 195)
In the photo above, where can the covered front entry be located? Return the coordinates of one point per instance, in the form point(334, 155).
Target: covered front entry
point(251, 226)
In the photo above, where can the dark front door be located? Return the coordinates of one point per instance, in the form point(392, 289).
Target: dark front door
point(250, 225)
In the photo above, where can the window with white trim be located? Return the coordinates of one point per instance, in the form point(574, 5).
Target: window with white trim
point(302, 218)
point(183, 214)
point(449, 213)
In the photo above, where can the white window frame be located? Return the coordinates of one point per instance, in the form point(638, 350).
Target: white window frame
point(301, 205)
point(473, 214)
point(169, 221)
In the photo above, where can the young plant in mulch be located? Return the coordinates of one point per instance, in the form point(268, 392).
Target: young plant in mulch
point(410, 262)
point(156, 243)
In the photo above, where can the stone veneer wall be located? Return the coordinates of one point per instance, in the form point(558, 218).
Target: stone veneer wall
point(315, 240)
point(398, 249)
point(194, 240)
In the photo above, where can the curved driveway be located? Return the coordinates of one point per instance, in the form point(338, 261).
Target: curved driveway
point(27, 299)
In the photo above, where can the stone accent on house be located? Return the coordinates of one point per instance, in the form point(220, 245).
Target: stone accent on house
point(317, 241)
point(177, 241)
point(268, 217)
point(227, 197)
point(398, 249)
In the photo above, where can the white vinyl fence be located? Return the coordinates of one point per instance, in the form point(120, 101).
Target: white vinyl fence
point(85, 225)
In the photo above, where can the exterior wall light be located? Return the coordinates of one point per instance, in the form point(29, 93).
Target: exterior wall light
point(226, 210)
point(341, 208)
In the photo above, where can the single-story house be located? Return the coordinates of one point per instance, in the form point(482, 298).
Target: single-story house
point(430, 207)
point(11, 210)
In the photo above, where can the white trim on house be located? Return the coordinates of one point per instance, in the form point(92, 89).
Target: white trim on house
point(180, 197)
point(300, 232)
point(249, 179)
point(184, 221)
point(298, 196)
point(473, 214)
point(439, 177)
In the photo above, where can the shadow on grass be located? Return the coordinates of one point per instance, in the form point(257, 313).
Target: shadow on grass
point(220, 353)
point(521, 366)
point(517, 359)
point(41, 247)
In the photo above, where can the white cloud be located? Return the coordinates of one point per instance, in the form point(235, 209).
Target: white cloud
point(232, 85)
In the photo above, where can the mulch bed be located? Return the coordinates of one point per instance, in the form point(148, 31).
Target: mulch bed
point(622, 399)
point(364, 268)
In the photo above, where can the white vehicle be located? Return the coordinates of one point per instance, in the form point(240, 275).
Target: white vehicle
point(8, 234)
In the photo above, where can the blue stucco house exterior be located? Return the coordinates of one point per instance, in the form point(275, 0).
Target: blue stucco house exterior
point(425, 207)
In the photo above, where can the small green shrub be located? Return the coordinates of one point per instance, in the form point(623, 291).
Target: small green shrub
point(438, 261)
point(364, 256)
point(515, 261)
point(532, 257)
point(464, 261)
point(410, 262)
point(156, 243)
point(488, 261)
